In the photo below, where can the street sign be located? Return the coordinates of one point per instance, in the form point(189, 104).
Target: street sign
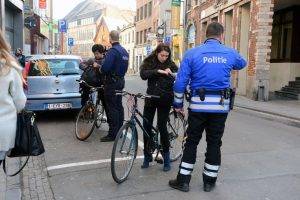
point(70, 42)
point(62, 25)
point(30, 22)
point(167, 39)
point(148, 49)
point(42, 4)
point(176, 2)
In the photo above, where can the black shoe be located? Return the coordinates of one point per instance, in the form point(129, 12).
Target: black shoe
point(184, 187)
point(207, 187)
point(107, 139)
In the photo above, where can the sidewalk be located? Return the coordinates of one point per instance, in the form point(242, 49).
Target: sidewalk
point(31, 184)
point(10, 187)
point(284, 108)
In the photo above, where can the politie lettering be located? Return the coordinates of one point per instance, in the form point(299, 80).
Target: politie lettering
point(214, 59)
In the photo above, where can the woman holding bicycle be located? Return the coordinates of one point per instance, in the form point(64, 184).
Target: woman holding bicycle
point(157, 69)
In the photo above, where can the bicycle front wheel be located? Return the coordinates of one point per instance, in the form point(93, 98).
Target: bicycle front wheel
point(176, 126)
point(124, 152)
point(85, 122)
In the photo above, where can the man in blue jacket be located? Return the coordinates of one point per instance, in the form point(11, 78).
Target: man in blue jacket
point(206, 69)
point(114, 67)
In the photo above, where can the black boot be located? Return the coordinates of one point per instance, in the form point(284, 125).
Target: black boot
point(167, 162)
point(147, 159)
point(181, 183)
point(0, 162)
point(207, 187)
point(107, 138)
point(209, 183)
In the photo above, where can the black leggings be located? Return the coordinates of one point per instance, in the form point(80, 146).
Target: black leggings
point(162, 119)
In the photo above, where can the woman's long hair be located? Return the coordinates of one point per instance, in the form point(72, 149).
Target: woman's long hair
point(161, 47)
point(6, 60)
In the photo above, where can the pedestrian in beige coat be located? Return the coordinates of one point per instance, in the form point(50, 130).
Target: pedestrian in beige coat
point(12, 97)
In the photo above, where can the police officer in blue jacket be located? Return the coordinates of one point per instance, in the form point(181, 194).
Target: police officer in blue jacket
point(114, 67)
point(206, 69)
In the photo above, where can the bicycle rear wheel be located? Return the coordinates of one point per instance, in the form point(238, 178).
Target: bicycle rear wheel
point(85, 122)
point(124, 152)
point(176, 126)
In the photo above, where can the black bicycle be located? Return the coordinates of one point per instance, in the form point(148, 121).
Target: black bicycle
point(91, 115)
point(125, 146)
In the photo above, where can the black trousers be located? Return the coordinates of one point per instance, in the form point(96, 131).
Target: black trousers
point(115, 108)
point(214, 125)
point(162, 119)
point(85, 92)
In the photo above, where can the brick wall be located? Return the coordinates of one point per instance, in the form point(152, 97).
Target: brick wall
point(260, 35)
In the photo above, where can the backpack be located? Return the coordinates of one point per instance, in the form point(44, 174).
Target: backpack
point(92, 77)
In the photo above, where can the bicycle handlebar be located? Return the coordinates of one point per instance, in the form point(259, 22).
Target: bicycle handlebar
point(92, 87)
point(138, 95)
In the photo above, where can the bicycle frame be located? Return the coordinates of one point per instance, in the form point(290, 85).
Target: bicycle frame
point(135, 120)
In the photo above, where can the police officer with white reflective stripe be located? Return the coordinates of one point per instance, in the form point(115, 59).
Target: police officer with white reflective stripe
point(206, 69)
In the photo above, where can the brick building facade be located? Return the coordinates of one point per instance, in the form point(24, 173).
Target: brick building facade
point(248, 28)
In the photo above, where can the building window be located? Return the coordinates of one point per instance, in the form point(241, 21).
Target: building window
point(196, 2)
point(228, 28)
point(137, 38)
point(138, 15)
point(150, 9)
point(214, 19)
point(132, 39)
point(145, 11)
point(204, 26)
point(141, 37)
point(145, 36)
point(189, 4)
point(141, 13)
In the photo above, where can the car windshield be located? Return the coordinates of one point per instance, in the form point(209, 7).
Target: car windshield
point(54, 67)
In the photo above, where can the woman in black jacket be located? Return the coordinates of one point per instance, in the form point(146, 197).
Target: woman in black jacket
point(157, 69)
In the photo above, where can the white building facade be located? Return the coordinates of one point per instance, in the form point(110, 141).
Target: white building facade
point(127, 38)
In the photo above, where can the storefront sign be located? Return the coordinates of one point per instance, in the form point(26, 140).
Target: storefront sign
point(42, 4)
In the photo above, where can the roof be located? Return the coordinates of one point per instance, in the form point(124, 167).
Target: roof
point(85, 9)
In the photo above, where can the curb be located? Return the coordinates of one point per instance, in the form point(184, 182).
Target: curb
point(293, 121)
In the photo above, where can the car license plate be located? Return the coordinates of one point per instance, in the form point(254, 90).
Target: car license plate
point(56, 106)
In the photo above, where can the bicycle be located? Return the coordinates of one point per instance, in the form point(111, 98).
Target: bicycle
point(91, 115)
point(126, 142)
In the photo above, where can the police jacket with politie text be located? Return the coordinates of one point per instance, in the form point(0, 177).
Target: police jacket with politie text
point(207, 66)
point(116, 61)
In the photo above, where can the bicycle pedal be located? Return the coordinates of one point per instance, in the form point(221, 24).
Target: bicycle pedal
point(159, 161)
point(103, 119)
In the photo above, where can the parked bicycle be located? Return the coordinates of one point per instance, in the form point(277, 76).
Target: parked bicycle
point(125, 146)
point(91, 115)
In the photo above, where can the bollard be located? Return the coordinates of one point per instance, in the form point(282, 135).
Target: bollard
point(261, 92)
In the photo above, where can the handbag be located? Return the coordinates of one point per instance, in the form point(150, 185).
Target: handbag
point(28, 141)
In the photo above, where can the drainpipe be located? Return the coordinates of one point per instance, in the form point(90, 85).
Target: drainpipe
point(2, 15)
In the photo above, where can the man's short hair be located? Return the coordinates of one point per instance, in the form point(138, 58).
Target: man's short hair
point(98, 48)
point(114, 35)
point(214, 29)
